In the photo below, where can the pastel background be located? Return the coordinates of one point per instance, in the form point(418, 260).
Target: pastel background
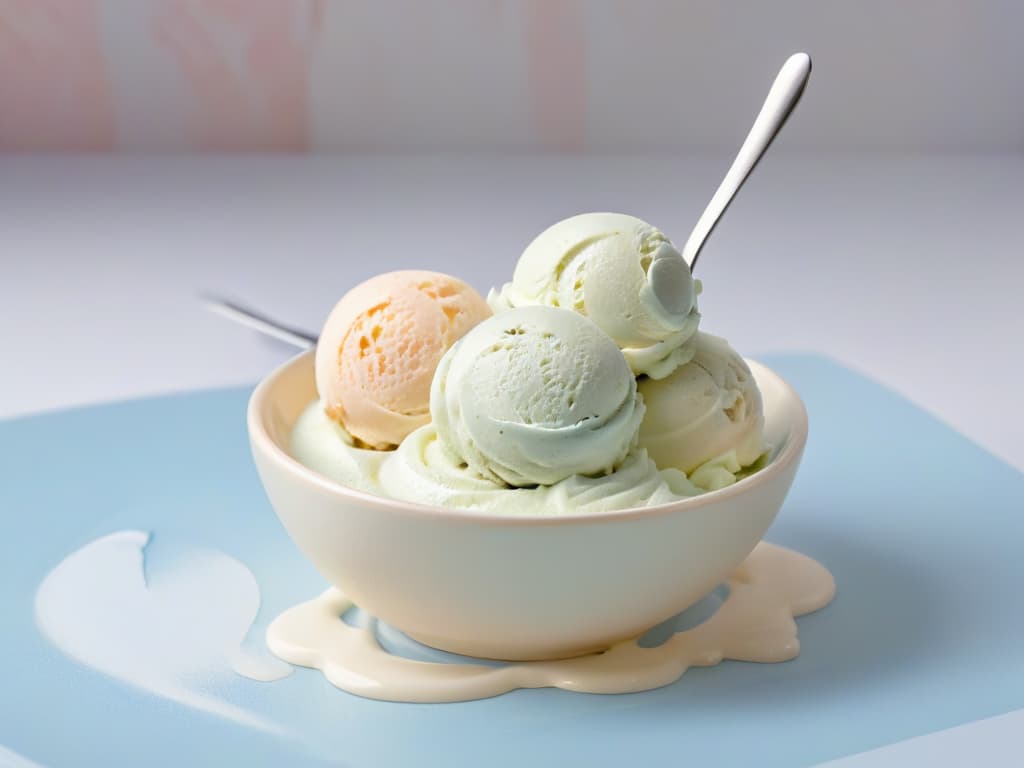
point(298, 75)
point(278, 152)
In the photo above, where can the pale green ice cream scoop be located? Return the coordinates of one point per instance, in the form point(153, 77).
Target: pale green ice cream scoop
point(535, 395)
point(620, 272)
point(707, 417)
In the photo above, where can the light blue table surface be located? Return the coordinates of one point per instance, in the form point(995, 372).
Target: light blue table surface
point(921, 528)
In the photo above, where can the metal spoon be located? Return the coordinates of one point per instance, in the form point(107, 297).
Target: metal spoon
point(782, 99)
point(259, 322)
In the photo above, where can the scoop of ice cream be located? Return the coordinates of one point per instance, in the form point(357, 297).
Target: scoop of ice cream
point(380, 346)
point(534, 395)
point(707, 417)
point(424, 471)
point(620, 272)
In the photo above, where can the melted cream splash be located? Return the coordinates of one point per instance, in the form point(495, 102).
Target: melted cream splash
point(755, 623)
point(166, 637)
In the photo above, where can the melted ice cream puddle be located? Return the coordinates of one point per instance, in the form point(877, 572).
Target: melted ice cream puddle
point(755, 623)
point(164, 637)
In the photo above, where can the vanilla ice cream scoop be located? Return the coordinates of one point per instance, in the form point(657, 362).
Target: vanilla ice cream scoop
point(380, 346)
point(706, 418)
point(535, 395)
point(620, 272)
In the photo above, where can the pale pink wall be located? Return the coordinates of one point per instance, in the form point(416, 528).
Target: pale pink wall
point(54, 89)
point(340, 75)
point(246, 65)
point(557, 62)
point(240, 70)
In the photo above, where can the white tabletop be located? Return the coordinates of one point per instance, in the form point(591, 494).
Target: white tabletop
point(906, 267)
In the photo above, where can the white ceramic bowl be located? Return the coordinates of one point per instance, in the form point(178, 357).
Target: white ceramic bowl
point(517, 587)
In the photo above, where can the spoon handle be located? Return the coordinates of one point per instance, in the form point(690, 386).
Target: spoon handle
point(782, 99)
point(259, 322)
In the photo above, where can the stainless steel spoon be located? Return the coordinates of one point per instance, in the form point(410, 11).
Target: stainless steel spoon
point(259, 322)
point(782, 99)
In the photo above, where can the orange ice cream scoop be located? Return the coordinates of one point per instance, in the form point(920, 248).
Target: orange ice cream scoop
point(380, 346)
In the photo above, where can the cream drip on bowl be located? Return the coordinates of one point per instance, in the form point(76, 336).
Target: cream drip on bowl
point(754, 623)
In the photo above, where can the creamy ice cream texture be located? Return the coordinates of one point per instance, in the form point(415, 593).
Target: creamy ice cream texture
point(707, 417)
point(535, 395)
point(590, 390)
point(422, 470)
point(323, 445)
point(380, 345)
point(623, 274)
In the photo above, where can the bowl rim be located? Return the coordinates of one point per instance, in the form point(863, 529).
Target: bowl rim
point(261, 441)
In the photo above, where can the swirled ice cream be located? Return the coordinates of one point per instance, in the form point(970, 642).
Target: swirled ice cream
point(323, 445)
point(534, 395)
point(707, 417)
point(590, 389)
point(534, 411)
point(423, 470)
point(623, 274)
